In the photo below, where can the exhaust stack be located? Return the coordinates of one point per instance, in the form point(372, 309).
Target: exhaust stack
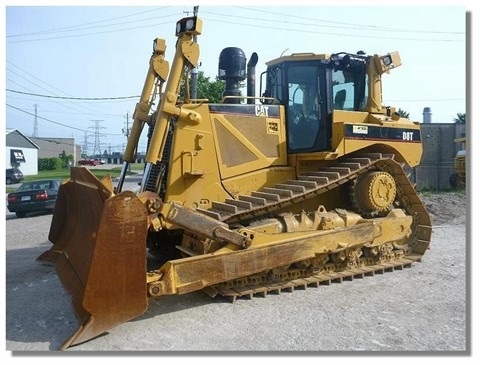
point(251, 77)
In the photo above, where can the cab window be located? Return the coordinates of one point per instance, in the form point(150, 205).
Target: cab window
point(348, 90)
point(303, 107)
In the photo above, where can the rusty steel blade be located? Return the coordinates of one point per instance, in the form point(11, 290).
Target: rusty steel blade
point(99, 254)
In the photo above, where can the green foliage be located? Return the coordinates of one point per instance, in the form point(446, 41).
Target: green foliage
point(51, 163)
point(211, 90)
point(55, 163)
point(66, 159)
point(206, 89)
point(461, 118)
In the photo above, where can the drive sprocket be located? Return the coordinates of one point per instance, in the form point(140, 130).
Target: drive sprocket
point(374, 193)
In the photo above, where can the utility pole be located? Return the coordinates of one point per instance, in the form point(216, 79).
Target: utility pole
point(126, 131)
point(194, 72)
point(74, 162)
point(85, 146)
point(35, 123)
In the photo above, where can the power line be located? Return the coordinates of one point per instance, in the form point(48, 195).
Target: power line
point(50, 111)
point(57, 123)
point(70, 113)
point(96, 33)
point(355, 35)
point(315, 22)
point(68, 107)
point(30, 76)
point(68, 28)
point(72, 98)
point(341, 24)
point(48, 120)
point(116, 145)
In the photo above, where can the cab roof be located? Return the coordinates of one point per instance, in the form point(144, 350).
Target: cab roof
point(299, 57)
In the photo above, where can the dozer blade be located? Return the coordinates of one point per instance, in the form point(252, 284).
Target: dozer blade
point(99, 253)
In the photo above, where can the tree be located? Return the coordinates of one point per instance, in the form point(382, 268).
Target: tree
point(211, 90)
point(403, 113)
point(66, 159)
point(460, 118)
point(206, 89)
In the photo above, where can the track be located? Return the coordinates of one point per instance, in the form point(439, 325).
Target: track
point(233, 291)
point(270, 200)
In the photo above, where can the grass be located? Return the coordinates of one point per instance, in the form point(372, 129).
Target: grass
point(65, 174)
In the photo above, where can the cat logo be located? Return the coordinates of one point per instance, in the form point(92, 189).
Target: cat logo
point(261, 109)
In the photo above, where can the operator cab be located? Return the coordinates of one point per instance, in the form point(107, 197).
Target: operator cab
point(310, 87)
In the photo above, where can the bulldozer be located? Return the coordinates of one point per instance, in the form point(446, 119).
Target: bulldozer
point(459, 178)
point(300, 185)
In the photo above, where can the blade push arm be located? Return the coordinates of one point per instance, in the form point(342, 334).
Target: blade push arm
point(157, 74)
point(186, 55)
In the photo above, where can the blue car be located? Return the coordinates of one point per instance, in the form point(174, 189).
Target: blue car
point(34, 196)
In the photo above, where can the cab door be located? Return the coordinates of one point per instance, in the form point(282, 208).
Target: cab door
point(306, 109)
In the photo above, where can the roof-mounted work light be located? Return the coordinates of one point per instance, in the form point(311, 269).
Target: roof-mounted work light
point(191, 26)
point(387, 62)
point(159, 46)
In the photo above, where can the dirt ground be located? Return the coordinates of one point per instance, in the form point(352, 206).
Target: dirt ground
point(446, 207)
point(423, 308)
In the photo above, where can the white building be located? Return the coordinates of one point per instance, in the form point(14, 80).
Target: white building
point(21, 152)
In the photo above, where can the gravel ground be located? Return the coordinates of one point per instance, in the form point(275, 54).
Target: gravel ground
point(424, 309)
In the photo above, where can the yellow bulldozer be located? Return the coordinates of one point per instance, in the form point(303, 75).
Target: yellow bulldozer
point(300, 185)
point(459, 178)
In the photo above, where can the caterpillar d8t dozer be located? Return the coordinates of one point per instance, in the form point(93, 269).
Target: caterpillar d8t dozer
point(299, 185)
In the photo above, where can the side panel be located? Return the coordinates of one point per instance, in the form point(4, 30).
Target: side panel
point(354, 131)
point(193, 176)
point(248, 137)
point(232, 144)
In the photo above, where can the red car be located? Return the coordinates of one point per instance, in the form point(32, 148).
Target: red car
point(89, 162)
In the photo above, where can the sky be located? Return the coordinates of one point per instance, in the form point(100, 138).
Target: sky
point(77, 71)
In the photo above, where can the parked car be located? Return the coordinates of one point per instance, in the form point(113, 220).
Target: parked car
point(88, 162)
point(34, 196)
point(13, 176)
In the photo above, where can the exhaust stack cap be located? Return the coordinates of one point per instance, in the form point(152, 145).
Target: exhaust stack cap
point(232, 67)
point(232, 64)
